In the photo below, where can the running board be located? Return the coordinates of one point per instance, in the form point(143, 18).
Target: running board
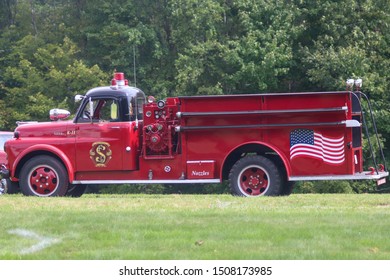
point(366, 175)
point(195, 181)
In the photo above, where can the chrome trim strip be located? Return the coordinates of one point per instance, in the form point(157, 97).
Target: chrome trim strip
point(257, 126)
point(357, 176)
point(192, 181)
point(200, 161)
point(261, 112)
point(264, 94)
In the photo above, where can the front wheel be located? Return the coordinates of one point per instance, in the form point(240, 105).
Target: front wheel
point(255, 176)
point(44, 176)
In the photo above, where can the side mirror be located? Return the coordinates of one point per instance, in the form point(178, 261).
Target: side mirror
point(58, 114)
point(79, 97)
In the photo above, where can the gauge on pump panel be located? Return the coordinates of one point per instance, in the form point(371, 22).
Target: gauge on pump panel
point(161, 104)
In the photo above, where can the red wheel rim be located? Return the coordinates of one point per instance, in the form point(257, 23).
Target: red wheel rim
point(43, 180)
point(253, 181)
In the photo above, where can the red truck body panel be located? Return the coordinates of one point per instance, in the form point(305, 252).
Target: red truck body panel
point(270, 120)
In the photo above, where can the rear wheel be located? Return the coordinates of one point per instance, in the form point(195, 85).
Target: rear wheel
point(44, 176)
point(255, 176)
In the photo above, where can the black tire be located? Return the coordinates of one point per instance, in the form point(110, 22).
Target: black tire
point(255, 176)
point(44, 176)
point(76, 190)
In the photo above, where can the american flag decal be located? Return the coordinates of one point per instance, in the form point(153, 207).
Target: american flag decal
point(307, 143)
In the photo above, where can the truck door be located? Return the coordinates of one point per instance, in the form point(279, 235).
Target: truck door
point(100, 137)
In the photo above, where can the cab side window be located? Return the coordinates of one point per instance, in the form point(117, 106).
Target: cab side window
point(100, 110)
point(109, 111)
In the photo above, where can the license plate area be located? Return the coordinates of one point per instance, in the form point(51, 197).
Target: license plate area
point(381, 181)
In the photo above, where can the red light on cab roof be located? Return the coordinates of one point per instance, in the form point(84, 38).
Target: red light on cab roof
point(119, 80)
point(119, 76)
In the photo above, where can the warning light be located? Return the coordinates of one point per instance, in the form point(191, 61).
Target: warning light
point(119, 80)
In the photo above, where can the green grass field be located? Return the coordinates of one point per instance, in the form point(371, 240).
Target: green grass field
point(195, 227)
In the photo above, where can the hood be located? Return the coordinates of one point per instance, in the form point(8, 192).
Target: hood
point(43, 129)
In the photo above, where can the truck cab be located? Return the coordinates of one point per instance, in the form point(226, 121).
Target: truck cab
point(106, 128)
point(107, 124)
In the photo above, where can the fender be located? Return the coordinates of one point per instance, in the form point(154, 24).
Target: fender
point(285, 161)
point(48, 148)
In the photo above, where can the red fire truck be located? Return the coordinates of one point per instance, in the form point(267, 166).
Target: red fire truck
point(259, 143)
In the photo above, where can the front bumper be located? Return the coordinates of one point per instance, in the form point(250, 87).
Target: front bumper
point(3, 186)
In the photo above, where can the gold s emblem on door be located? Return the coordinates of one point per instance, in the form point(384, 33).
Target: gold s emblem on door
point(100, 154)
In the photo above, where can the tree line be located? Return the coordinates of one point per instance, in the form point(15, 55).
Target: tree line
point(51, 50)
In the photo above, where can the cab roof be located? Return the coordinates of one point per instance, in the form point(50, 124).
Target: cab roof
point(115, 91)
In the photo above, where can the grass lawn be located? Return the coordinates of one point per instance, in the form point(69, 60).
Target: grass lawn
point(195, 227)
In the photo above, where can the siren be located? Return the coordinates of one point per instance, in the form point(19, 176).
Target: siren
point(119, 80)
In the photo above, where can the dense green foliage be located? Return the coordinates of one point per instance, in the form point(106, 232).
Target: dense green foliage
point(51, 50)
